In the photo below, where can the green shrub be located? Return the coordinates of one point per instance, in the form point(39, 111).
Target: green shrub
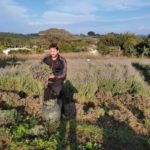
point(79, 46)
point(21, 51)
point(85, 91)
point(26, 84)
point(20, 131)
point(1, 49)
point(39, 51)
point(50, 144)
point(65, 47)
point(123, 86)
point(131, 52)
point(103, 49)
point(90, 146)
point(8, 116)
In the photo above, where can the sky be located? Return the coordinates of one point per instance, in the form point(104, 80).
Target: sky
point(100, 16)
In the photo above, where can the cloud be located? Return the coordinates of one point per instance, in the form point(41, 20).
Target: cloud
point(56, 18)
point(76, 7)
point(143, 29)
point(80, 7)
point(77, 16)
point(11, 9)
point(13, 17)
point(127, 19)
point(124, 5)
point(89, 6)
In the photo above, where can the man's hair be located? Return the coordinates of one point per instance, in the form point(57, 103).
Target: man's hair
point(53, 45)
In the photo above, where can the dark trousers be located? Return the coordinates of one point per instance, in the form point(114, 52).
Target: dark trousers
point(53, 89)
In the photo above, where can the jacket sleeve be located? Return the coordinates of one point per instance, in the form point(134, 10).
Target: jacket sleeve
point(46, 60)
point(63, 72)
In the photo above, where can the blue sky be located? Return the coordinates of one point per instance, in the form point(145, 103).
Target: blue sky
point(31, 16)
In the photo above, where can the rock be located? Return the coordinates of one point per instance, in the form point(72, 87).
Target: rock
point(51, 110)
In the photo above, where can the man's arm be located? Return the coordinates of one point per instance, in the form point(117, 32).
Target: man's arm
point(46, 60)
point(63, 72)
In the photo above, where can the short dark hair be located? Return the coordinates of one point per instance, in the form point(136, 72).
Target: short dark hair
point(53, 45)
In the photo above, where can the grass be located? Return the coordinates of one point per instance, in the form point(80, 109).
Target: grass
point(111, 104)
point(95, 76)
point(87, 136)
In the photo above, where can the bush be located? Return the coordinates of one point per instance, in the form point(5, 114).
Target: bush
point(103, 49)
point(131, 52)
point(31, 81)
point(1, 49)
point(79, 46)
point(110, 40)
point(39, 51)
point(73, 47)
point(145, 51)
point(26, 84)
point(65, 47)
point(21, 51)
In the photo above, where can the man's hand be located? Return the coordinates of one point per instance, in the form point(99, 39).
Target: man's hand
point(51, 77)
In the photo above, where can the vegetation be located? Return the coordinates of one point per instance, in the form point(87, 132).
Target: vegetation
point(109, 44)
point(130, 44)
point(107, 105)
point(22, 51)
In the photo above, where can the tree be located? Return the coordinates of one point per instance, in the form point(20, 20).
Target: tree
point(91, 33)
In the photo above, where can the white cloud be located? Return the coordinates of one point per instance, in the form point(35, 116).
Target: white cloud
point(75, 15)
point(122, 4)
point(143, 29)
point(127, 19)
point(62, 18)
point(89, 6)
point(11, 9)
point(13, 17)
point(76, 7)
point(80, 7)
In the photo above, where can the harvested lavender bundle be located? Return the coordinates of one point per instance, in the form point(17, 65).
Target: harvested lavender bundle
point(41, 72)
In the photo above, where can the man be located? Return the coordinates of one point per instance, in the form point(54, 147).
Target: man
point(58, 65)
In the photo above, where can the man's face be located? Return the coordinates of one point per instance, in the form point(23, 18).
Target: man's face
point(54, 52)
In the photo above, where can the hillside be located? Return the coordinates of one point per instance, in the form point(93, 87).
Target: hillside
point(113, 44)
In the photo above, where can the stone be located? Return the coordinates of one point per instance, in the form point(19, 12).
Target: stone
point(51, 110)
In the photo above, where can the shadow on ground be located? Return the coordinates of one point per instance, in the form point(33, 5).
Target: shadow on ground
point(144, 70)
point(67, 127)
point(119, 135)
point(9, 61)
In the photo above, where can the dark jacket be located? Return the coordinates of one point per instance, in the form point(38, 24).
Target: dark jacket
point(58, 66)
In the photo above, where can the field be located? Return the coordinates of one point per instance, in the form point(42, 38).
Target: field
point(107, 103)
